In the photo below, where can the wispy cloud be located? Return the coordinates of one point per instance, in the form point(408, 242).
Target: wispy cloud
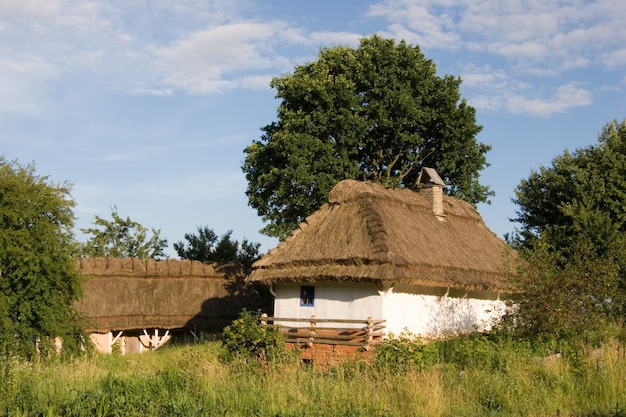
point(130, 154)
point(196, 183)
point(546, 33)
point(505, 92)
point(418, 22)
point(535, 41)
point(23, 78)
point(164, 92)
point(206, 61)
point(615, 58)
point(224, 48)
point(15, 12)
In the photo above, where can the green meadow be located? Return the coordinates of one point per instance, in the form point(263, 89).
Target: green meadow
point(475, 376)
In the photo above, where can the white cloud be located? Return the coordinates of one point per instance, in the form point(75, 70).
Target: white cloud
point(22, 84)
point(561, 35)
point(99, 42)
point(533, 50)
point(528, 44)
point(257, 82)
point(119, 46)
point(164, 92)
point(565, 97)
point(215, 12)
point(495, 89)
point(204, 62)
point(111, 154)
point(188, 186)
point(491, 102)
point(616, 58)
point(31, 66)
point(200, 184)
point(484, 77)
point(107, 44)
point(14, 12)
point(415, 21)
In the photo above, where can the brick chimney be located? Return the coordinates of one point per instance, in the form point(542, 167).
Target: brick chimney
point(430, 184)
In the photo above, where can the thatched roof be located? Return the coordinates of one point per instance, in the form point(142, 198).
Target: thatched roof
point(367, 232)
point(130, 293)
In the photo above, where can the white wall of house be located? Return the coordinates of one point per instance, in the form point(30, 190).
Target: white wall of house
point(423, 311)
point(435, 312)
point(101, 341)
point(332, 300)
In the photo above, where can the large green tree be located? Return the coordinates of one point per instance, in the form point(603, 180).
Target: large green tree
point(122, 237)
point(584, 189)
point(39, 282)
point(206, 246)
point(379, 112)
point(572, 222)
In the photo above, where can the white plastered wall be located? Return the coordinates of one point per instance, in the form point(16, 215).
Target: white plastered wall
point(332, 300)
point(423, 311)
point(436, 312)
point(101, 342)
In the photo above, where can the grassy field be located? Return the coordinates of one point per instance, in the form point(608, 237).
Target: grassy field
point(473, 379)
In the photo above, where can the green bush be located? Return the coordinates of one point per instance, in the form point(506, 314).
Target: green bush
point(247, 338)
point(407, 351)
point(404, 352)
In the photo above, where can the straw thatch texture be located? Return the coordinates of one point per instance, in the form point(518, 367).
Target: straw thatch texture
point(367, 232)
point(129, 293)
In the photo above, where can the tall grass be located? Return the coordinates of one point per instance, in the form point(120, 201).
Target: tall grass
point(474, 377)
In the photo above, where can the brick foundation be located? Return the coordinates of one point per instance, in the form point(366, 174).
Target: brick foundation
point(326, 355)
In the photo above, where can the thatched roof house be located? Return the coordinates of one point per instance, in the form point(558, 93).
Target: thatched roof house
point(370, 233)
point(390, 239)
point(135, 295)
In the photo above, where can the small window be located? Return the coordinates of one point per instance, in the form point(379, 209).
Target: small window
point(307, 295)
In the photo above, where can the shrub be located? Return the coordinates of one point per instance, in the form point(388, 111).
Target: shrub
point(404, 352)
point(407, 351)
point(247, 338)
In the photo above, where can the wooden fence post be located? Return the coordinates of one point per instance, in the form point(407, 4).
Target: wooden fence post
point(369, 333)
point(312, 327)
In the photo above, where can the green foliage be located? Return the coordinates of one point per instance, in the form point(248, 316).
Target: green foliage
point(572, 238)
point(207, 247)
point(39, 282)
point(407, 352)
point(247, 338)
point(573, 299)
point(588, 182)
point(379, 113)
point(403, 353)
point(121, 238)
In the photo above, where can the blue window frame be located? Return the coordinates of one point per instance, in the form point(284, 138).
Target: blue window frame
point(307, 295)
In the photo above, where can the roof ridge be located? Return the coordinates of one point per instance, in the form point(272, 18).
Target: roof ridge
point(153, 268)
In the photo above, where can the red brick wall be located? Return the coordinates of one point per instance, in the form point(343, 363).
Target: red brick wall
point(330, 355)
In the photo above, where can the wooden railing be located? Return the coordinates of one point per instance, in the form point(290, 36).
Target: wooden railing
point(330, 332)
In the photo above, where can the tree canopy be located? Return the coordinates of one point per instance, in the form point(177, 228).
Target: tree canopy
point(589, 179)
point(206, 246)
point(573, 219)
point(121, 238)
point(379, 113)
point(39, 282)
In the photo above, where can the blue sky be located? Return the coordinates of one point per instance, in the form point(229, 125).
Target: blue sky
point(147, 105)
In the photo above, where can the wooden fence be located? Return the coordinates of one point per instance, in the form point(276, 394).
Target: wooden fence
point(331, 332)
